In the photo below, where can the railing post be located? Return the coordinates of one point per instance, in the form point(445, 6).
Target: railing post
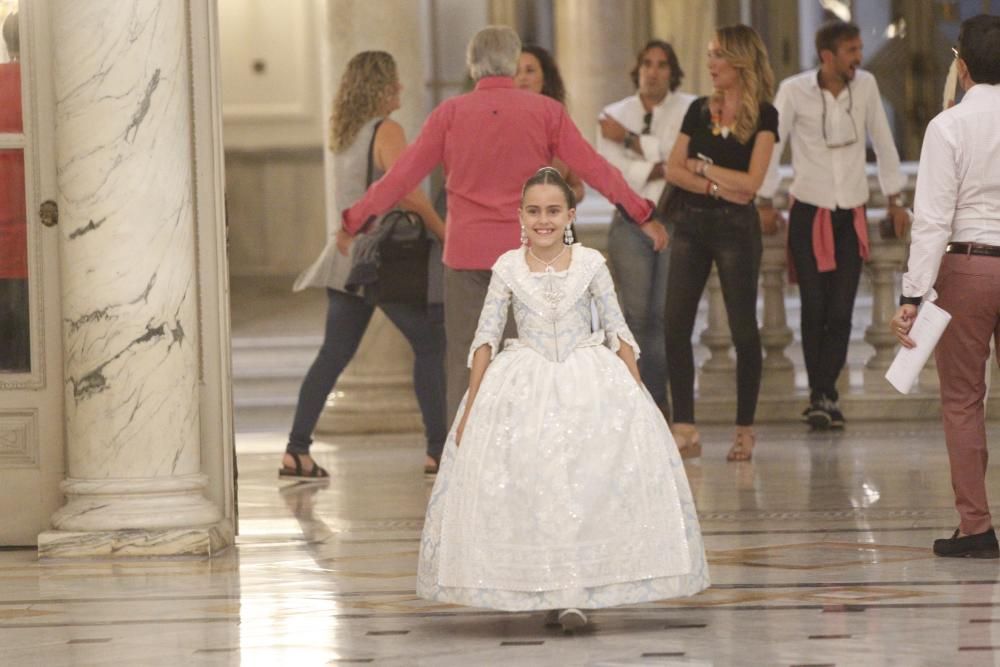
point(887, 257)
point(719, 370)
point(775, 334)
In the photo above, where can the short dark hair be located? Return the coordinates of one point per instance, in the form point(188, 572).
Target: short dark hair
point(552, 83)
point(832, 32)
point(676, 73)
point(979, 47)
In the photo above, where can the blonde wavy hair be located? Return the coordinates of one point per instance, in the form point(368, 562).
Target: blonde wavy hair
point(743, 48)
point(369, 82)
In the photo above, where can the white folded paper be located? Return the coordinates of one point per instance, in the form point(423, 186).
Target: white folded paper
point(926, 331)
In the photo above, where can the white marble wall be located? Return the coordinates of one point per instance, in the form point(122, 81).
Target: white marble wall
point(124, 169)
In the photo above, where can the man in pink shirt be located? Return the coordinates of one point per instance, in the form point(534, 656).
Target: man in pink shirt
point(490, 142)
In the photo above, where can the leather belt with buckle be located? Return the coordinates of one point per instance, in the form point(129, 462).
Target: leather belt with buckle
point(973, 249)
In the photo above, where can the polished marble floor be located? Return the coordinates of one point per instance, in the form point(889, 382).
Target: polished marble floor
point(819, 555)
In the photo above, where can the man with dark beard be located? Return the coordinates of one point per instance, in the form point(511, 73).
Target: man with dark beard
point(827, 112)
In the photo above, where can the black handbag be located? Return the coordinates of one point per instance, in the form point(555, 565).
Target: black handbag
point(403, 252)
point(667, 205)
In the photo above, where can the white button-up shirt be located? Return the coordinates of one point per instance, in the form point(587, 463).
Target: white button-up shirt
point(829, 174)
point(656, 146)
point(958, 186)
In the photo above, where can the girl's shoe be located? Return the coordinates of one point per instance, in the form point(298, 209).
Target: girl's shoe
point(572, 619)
point(742, 449)
point(688, 440)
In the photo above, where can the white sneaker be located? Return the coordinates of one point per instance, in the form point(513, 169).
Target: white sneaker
point(572, 619)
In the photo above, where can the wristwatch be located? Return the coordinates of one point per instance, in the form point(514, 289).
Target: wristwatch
point(910, 300)
point(630, 139)
point(898, 200)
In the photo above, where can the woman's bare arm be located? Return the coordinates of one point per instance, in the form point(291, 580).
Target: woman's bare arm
point(743, 181)
point(390, 141)
point(677, 172)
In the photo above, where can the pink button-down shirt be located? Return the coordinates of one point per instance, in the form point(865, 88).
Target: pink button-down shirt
point(490, 142)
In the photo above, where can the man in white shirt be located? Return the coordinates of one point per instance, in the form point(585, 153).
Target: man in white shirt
point(828, 112)
point(636, 135)
point(955, 261)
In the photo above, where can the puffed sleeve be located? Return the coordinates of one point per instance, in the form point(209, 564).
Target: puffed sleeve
point(493, 318)
point(602, 290)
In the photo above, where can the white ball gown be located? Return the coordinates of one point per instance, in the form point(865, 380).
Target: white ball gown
point(568, 489)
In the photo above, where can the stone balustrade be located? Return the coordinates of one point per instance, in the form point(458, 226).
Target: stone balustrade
point(865, 394)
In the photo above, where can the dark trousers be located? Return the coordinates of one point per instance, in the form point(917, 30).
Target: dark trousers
point(730, 237)
point(346, 320)
point(464, 294)
point(827, 298)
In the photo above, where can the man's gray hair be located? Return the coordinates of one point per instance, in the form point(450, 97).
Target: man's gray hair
point(493, 51)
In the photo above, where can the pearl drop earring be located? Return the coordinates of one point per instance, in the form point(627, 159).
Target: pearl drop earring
point(568, 235)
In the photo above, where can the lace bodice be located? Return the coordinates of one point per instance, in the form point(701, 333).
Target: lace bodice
point(552, 309)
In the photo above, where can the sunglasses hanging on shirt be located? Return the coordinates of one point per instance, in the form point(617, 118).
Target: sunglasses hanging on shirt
point(647, 122)
point(838, 142)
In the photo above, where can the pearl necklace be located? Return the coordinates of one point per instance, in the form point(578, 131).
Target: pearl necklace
point(551, 292)
point(548, 265)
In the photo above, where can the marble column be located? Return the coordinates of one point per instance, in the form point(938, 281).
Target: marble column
point(775, 334)
point(123, 143)
point(688, 25)
point(596, 43)
point(506, 12)
point(375, 393)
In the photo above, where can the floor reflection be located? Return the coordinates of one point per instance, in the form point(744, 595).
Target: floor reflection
point(819, 552)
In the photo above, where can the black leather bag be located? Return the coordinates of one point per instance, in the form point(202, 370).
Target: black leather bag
point(403, 253)
point(668, 204)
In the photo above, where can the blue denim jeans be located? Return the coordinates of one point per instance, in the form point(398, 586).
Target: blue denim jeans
point(346, 320)
point(641, 281)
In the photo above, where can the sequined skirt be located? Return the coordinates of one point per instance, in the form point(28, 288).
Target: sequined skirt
point(567, 491)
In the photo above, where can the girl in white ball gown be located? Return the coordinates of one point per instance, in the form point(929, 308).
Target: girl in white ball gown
point(560, 488)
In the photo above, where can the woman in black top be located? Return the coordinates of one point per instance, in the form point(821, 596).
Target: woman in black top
point(717, 165)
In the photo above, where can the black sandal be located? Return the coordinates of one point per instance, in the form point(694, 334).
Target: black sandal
point(316, 473)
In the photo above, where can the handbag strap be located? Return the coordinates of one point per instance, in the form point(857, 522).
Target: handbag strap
point(371, 155)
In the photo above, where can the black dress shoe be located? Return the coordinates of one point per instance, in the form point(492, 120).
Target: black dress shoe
point(983, 545)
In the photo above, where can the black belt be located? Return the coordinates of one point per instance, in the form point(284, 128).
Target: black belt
point(973, 249)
